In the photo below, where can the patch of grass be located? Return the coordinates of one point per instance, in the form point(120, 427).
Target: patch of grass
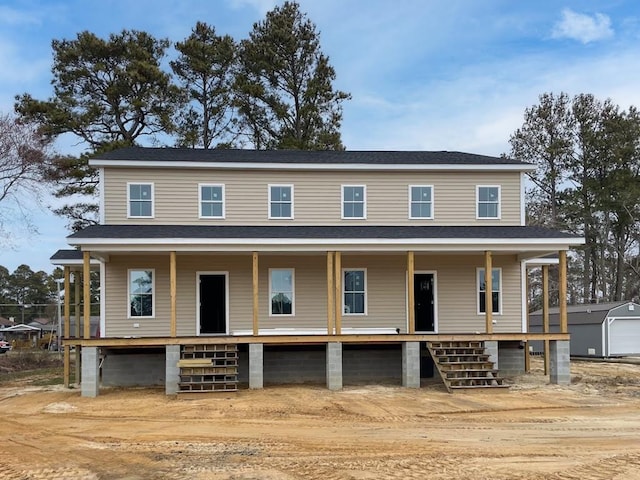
point(30, 367)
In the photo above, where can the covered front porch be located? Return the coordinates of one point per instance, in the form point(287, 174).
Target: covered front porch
point(456, 316)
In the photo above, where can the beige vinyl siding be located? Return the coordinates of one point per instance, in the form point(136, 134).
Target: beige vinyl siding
point(386, 292)
point(117, 320)
point(317, 196)
point(310, 291)
point(457, 292)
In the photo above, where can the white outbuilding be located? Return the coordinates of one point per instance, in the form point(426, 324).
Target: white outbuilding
point(600, 330)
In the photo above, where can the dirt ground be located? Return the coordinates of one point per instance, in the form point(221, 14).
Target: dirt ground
point(587, 431)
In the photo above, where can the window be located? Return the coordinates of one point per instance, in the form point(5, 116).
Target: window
point(353, 201)
point(280, 201)
point(140, 200)
point(420, 201)
point(281, 286)
point(141, 293)
point(496, 283)
point(488, 201)
point(211, 201)
point(354, 292)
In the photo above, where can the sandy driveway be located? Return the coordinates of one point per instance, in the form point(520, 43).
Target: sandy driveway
point(588, 431)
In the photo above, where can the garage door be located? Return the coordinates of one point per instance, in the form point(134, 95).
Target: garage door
point(624, 336)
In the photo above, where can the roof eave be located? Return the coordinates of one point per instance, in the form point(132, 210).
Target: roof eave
point(504, 167)
point(326, 244)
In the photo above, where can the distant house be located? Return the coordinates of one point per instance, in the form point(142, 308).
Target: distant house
point(27, 335)
point(5, 322)
point(44, 324)
point(600, 330)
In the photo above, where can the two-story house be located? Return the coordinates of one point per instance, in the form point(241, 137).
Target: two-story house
point(301, 265)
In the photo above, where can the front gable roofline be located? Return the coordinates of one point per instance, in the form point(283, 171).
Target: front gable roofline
point(137, 157)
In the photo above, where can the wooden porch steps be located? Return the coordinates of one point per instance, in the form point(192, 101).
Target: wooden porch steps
point(464, 365)
point(208, 368)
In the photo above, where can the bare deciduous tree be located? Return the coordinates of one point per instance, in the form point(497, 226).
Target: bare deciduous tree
point(24, 152)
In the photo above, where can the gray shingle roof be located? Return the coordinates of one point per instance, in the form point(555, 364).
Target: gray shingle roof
point(315, 232)
point(67, 255)
point(304, 156)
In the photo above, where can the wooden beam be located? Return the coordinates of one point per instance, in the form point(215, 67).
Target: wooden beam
point(154, 342)
point(67, 326)
point(562, 291)
point(527, 357)
point(256, 306)
point(172, 293)
point(338, 290)
point(488, 292)
point(411, 292)
point(331, 300)
point(86, 283)
point(76, 285)
point(545, 315)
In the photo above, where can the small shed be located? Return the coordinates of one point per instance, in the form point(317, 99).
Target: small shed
point(597, 329)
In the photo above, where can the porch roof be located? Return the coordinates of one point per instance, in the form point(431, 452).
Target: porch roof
point(317, 238)
point(316, 232)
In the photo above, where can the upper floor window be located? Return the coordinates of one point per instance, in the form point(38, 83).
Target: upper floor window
point(354, 291)
point(496, 277)
point(141, 293)
point(354, 203)
point(281, 291)
point(488, 201)
point(140, 200)
point(211, 201)
point(420, 201)
point(280, 201)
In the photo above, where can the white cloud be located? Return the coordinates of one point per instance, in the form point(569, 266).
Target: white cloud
point(480, 107)
point(582, 27)
point(262, 6)
point(11, 16)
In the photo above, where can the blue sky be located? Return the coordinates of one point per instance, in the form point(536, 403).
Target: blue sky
point(424, 74)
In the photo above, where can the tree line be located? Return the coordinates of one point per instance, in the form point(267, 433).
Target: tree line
point(273, 89)
point(587, 181)
point(25, 294)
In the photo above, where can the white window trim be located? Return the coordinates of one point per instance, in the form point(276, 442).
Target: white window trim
point(153, 199)
point(500, 291)
point(364, 203)
point(499, 216)
point(269, 203)
point(411, 217)
point(293, 293)
point(153, 292)
point(200, 185)
point(366, 296)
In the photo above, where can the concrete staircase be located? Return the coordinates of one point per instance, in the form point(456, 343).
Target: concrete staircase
point(464, 365)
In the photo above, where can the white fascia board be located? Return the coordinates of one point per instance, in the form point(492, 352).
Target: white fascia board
point(321, 244)
point(73, 263)
point(539, 262)
point(101, 204)
point(311, 166)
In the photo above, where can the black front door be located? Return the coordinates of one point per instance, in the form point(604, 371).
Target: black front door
point(424, 302)
point(213, 307)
